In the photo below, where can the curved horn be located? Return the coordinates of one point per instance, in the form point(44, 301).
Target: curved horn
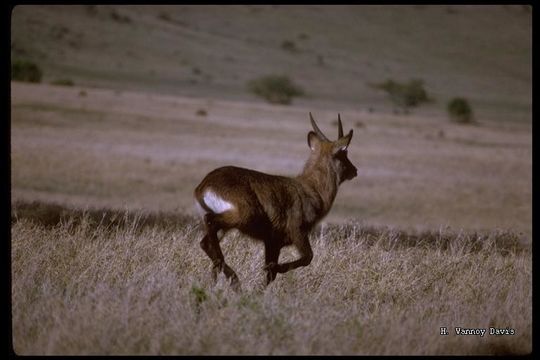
point(317, 130)
point(340, 127)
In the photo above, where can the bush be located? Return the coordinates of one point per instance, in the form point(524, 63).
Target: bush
point(405, 95)
point(275, 89)
point(116, 16)
point(459, 110)
point(288, 45)
point(63, 82)
point(164, 16)
point(22, 70)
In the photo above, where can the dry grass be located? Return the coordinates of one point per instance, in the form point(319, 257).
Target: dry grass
point(91, 278)
point(87, 287)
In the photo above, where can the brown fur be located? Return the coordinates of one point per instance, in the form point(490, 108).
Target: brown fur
point(277, 210)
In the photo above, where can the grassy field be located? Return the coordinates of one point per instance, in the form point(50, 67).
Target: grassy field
point(79, 288)
point(144, 151)
point(84, 286)
point(436, 230)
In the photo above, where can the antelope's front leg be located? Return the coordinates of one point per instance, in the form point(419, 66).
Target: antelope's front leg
point(306, 255)
point(271, 256)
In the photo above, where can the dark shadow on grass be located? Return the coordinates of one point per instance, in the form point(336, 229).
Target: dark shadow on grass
point(502, 241)
point(50, 215)
point(459, 242)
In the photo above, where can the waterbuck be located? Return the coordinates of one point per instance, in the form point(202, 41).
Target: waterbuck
point(277, 210)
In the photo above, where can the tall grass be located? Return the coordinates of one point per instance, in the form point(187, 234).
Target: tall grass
point(85, 287)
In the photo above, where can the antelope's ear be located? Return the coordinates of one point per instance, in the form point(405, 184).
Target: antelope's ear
point(343, 143)
point(313, 141)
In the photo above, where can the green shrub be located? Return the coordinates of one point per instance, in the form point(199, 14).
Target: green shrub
point(460, 110)
point(199, 294)
point(63, 82)
point(405, 95)
point(23, 70)
point(276, 89)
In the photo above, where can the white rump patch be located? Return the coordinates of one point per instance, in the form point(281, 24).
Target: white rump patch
point(214, 202)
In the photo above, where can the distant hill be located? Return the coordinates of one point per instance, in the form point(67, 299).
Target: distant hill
point(483, 53)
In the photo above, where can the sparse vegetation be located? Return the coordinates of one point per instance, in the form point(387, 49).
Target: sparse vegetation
point(116, 16)
point(91, 10)
point(32, 34)
point(164, 16)
point(63, 82)
point(320, 60)
point(404, 95)
point(201, 112)
point(84, 286)
point(59, 32)
point(289, 45)
point(460, 110)
point(24, 70)
point(276, 89)
point(173, 20)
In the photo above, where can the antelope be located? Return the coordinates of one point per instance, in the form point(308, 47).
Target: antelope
point(277, 210)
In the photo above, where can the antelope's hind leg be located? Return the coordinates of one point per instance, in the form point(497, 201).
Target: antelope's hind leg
point(210, 245)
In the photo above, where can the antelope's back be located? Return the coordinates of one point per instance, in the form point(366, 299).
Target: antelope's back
point(250, 193)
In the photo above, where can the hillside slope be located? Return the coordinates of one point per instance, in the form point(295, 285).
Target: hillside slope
point(481, 52)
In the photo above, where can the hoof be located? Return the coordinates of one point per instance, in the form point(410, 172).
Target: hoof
point(272, 270)
point(272, 267)
point(236, 286)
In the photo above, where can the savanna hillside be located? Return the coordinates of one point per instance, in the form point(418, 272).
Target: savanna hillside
point(137, 103)
point(333, 52)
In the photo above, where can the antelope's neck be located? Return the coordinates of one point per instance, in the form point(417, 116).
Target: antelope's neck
point(321, 183)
